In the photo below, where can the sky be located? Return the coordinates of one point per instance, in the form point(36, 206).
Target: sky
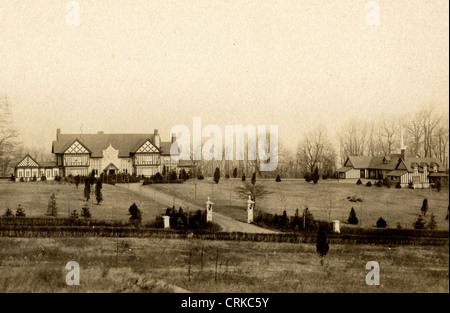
point(133, 66)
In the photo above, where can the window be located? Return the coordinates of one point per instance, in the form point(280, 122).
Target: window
point(27, 173)
point(55, 172)
point(19, 173)
point(49, 173)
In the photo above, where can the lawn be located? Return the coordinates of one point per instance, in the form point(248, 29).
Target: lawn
point(327, 200)
point(152, 265)
point(34, 197)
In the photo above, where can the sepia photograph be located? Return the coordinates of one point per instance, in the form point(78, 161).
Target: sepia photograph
point(225, 152)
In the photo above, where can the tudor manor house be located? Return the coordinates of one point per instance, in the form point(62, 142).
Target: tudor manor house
point(86, 154)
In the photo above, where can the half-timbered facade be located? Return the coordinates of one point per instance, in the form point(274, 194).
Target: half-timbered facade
point(84, 154)
point(87, 154)
point(398, 168)
point(29, 169)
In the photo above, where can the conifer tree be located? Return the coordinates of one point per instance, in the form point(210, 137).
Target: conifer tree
point(352, 219)
point(52, 208)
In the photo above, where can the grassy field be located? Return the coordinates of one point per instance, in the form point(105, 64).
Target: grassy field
point(151, 265)
point(327, 200)
point(34, 197)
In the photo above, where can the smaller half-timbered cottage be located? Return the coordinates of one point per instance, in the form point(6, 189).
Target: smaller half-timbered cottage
point(29, 169)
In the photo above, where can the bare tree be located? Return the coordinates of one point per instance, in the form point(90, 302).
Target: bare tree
point(352, 139)
point(430, 123)
point(414, 134)
point(8, 137)
point(388, 135)
point(314, 150)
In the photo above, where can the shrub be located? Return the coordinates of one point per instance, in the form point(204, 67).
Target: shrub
point(369, 184)
point(253, 180)
point(227, 176)
point(432, 225)
point(58, 178)
point(278, 179)
point(74, 214)
point(183, 175)
point(315, 176)
point(381, 223)
point(307, 177)
point(200, 176)
point(85, 212)
point(20, 212)
point(438, 186)
point(379, 183)
point(43, 178)
point(216, 175)
point(410, 185)
point(8, 213)
point(398, 185)
point(399, 226)
point(98, 191)
point(235, 172)
point(52, 208)
point(243, 177)
point(87, 189)
point(13, 178)
point(359, 182)
point(352, 219)
point(135, 213)
point(322, 245)
point(173, 175)
point(21, 180)
point(424, 207)
point(419, 223)
point(157, 176)
point(387, 182)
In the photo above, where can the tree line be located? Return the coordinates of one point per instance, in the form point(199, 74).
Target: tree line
point(425, 132)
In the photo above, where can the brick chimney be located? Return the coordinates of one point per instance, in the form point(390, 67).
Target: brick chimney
point(58, 132)
point(173, 137)
point(157, 139)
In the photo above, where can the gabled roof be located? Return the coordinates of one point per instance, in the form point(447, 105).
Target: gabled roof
point(27, 161)
point(143, 142)
point(379, 162)
point(411, 162)
point(96, 143)
point(344, 169)
point(358, 162)
point(76, 141)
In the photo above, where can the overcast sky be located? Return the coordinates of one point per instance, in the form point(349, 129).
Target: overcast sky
point(132, 66)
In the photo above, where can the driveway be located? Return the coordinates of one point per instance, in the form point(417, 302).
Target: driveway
point(228, 224)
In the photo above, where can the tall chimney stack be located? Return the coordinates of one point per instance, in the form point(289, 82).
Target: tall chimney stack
point(173, 137)
point(58, 132)
point(157, 139)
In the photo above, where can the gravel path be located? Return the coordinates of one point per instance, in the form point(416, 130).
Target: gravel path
point(228, 224)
